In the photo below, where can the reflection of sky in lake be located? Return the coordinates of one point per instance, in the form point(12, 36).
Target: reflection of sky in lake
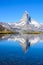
point(12, 53)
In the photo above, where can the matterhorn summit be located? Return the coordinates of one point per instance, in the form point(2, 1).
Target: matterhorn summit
point(25, 18)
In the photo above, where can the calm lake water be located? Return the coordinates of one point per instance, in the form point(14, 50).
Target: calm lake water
point(21, 49)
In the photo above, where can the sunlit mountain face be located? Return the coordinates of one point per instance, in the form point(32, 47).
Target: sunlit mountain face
point(24, 40)
point(26, 23)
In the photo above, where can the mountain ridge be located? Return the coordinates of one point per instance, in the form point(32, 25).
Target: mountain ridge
point(26, 23)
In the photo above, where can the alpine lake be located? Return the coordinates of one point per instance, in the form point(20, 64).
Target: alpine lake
point(21, 49)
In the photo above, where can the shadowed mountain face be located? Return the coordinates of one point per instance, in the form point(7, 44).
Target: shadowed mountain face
point(1, 28)
point(24, 40)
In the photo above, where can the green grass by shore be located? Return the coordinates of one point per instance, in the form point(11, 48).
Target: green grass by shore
point(8, 32)
point(11, 32)
point(32, 32)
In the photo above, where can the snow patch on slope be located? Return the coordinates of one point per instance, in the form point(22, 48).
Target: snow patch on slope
point(36, 24)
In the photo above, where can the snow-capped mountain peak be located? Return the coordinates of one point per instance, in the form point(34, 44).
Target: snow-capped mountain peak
point(25, 18)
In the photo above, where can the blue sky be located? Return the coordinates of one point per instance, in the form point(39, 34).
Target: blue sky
point(12, 10)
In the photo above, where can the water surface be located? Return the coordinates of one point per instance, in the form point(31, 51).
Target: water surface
point(21, 49)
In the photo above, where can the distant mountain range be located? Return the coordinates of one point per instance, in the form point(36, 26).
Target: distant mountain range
point(26, 24)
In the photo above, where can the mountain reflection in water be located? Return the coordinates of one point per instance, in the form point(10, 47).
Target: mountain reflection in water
point(26, 41)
